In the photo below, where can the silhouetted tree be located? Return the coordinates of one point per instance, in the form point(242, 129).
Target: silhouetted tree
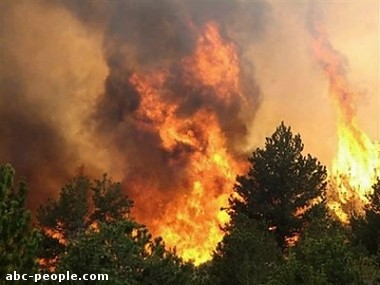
point(127, 253)
point(63, 219)
point(81, 204)
point(89, 230)
point(281, 185)
point(326, 259)
point(246, 255)
point(366, 228)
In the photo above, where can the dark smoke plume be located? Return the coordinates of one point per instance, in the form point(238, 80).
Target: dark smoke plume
point(29, 138)
point(137, 36)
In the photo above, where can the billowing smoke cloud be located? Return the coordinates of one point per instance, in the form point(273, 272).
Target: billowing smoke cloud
point(53, 122)
point(29, 139)
point(144, 36)
point(150, 34)
point(49, 76)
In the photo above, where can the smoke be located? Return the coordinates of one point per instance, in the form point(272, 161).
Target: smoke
point(67, 100)
point(295, 88)
point(48, 79)
point(146, 36)
point(28, 138)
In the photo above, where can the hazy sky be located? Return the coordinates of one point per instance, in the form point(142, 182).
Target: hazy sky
point(293, 85)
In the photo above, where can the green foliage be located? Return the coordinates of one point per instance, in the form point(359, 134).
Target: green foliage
point(18, 241)
point(202, 275)
point(64, 218)
point(81, 203)
point(97, 235)
point(280, 182)
point(366, 229)
point(68, 214)
point(321, 260)
point(246, 255)
point(109, 203)
point(126, 252)
point(165, 267)
point(325, 255)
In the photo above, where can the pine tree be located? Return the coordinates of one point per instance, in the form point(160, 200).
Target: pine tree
point(127, 253)
point(281, 186)
point(18, 241)
point(246, 251)
point(366, 228)
point(88, 229)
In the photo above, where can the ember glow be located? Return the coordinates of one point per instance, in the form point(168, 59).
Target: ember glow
point(357, 162)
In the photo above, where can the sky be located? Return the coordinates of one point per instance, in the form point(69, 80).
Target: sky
point(295, 89)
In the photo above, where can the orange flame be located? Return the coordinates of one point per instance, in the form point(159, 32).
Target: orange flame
point(50, 263)
point(191, 222)
point(357, 163)
point(215, 63)
point(55, 234)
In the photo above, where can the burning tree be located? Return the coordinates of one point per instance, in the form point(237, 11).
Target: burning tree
point(366, 228)
point(357, 162)
point(88, 229)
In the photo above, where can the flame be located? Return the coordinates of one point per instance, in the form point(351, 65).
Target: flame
point(215, 63)
point(357, 163)
point(50, 263)
point(55, 234)
point(191, 222)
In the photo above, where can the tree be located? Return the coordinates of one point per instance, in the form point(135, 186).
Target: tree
point(326, 259)
point(324, 254)
point(93, 232)
point(109, 203)
point(63, 219)
point(18, 241)
point(127, 253)
point(246, 255)
point(366, 228)
point(281, 186)
point(81, 204)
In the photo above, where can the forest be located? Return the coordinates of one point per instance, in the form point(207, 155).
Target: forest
point(280, 230)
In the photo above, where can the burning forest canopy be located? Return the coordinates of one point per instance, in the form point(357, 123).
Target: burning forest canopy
point(169, 97)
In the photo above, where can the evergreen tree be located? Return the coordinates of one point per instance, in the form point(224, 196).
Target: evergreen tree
point(81, 204)
point(325, 259)
point(89, 230)
point(109, 203)
point(18, 241)
point(280, 186)
point(246, 255)
point(127, 253)
point(61, 220)
point(366, 228)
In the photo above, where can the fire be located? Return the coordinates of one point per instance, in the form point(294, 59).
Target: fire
point(50, 263)
point(55, 234)
point(191, 222)
point(357, 163)
point(215, 63)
